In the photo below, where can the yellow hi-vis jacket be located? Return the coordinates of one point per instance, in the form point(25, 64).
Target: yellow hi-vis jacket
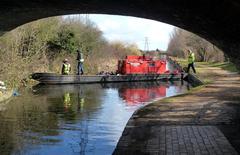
point(191, 58)
point(66, 68)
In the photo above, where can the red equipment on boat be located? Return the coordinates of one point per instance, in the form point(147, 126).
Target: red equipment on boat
point(141, 65)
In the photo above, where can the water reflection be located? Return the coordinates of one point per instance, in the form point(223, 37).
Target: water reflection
point(68, 119)
point(142, 94)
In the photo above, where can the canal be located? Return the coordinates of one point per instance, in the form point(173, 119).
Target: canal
point(75, 119)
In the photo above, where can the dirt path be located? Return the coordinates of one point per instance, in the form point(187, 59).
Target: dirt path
point(216, 104)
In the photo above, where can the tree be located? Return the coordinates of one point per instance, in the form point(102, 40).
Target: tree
point(182, 40)
point(41, 46)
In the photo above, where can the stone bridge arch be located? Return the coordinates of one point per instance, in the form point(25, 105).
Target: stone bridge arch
point(214, 20)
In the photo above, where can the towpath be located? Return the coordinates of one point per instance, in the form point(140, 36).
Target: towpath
point(203, 121)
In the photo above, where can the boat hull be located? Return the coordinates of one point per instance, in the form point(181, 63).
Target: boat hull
point(51, 78)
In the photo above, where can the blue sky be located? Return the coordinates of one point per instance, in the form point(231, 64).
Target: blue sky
point(133, 30)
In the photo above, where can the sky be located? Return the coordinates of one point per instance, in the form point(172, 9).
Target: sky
point(134, 30)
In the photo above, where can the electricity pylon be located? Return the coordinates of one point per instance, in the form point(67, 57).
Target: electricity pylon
point(146, 47)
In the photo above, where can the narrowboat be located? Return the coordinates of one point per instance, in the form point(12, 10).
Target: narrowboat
point(130, 69)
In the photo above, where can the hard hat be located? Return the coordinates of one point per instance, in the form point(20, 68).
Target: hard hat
point(65, 60)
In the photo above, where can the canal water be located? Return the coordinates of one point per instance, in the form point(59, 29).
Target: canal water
point(75, 119)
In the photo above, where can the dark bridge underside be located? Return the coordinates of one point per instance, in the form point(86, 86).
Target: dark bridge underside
point(214, 20)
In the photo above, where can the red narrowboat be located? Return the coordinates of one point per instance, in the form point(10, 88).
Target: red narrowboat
point(131, 69)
